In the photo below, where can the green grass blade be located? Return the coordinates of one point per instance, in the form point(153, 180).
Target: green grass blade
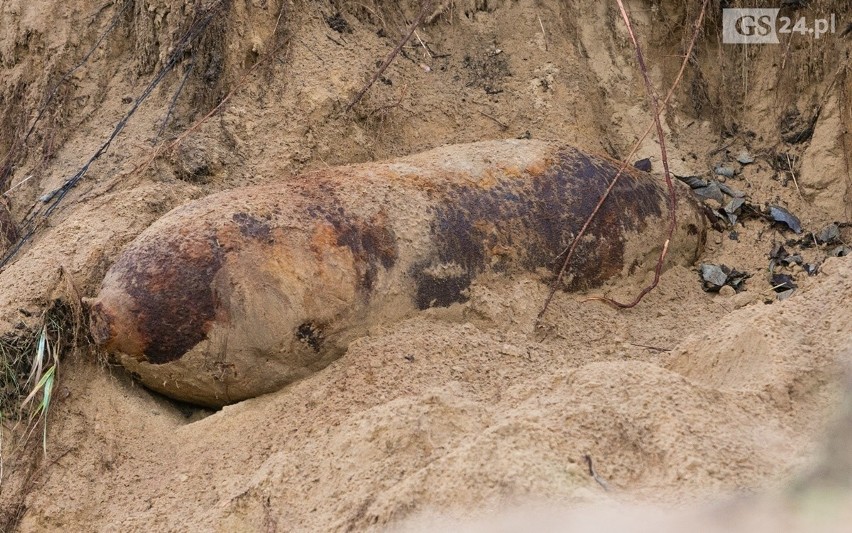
point(47, 377)
point(44, 406)
point(38, 360)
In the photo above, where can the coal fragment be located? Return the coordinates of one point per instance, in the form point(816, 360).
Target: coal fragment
point(783, 282)
point(694, 182)
point(778, 252)
point(795, 128)
point(732, 210)
point(736, 279)
point(734, 236)
point(337, 23)
point(783, 295)
point(811, 269)
point(710, 192)
point(783, 216)
point(828, 235)
point(840, 251)
point(722, 170)
point(792, 259)
point(716, 218)
point(643, 164)
point(714, 277)
point(777, 256)
point(731, 191)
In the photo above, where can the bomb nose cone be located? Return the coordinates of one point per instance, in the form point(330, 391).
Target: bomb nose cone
point(110, 325)
point(100, 322)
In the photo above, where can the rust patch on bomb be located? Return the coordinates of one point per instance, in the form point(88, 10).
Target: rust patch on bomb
point(253, 227)
point(372, 243)
point(170, 285)
point(101, 324)
point(583, 179)
point(440, 285)
point(537, 216)
point(310, 334)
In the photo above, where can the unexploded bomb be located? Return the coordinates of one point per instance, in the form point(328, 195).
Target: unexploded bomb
point(244, 291)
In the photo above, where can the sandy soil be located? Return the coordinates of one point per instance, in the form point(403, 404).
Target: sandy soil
point(455, 413)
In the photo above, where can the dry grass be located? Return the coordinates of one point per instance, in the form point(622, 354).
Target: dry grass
point(30, 359)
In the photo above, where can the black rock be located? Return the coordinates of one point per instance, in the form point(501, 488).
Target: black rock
point(783, 216)
point(783, 282)
point(828, 235)
point(643, 164)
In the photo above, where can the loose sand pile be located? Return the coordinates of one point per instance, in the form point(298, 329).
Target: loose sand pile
point(450, 412)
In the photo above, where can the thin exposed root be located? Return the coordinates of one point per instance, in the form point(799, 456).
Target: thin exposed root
point(48, 203)
point(424, 12)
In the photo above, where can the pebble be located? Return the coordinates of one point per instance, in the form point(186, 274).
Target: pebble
point(745, 158)
point(744, 298)
point(727, 291)
point(785, 294)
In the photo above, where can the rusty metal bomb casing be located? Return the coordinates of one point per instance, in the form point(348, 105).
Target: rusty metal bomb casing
point(244, 291)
